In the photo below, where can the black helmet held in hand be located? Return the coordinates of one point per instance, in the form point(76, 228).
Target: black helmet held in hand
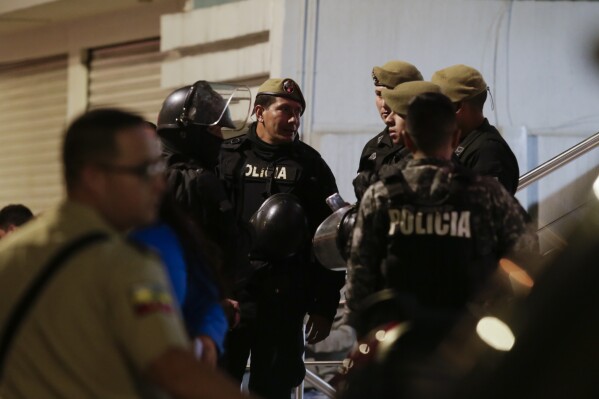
point(280, 227)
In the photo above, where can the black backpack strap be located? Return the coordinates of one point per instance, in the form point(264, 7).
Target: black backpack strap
point(34, 290)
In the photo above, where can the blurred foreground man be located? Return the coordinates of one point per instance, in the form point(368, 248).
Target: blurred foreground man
point(85, 314)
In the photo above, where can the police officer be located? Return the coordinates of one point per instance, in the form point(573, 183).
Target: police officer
point(268, 161)
point(433, 230)
point(481, 148)
point(190, 126)
point(386, 147)
point(104, 323)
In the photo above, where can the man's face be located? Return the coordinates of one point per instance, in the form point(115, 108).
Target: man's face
point(133, 182)
point(279, 122)
point(381, 107)
point(397, 125)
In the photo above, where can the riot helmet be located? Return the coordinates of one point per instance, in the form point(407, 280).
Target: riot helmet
point(205, 104)
point(332, 240)
point(280, 228)
point(188, 113)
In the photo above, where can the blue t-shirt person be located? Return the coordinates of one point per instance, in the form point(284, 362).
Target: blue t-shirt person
point(195, 292)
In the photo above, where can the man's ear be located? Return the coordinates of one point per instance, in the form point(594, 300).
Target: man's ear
point(455, 138)
point(408, 141)
point(259, 111)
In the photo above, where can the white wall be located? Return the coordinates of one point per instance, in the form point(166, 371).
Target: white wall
point(535, 55)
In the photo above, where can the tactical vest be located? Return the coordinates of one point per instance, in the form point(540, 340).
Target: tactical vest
point(202, 196)
point(434, 249)
point(250, 179)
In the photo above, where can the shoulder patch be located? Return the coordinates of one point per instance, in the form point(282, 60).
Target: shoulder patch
point(147, 298)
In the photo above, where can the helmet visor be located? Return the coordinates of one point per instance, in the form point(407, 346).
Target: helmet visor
point(212, 104)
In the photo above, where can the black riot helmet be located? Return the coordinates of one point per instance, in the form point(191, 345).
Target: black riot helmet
point(332, 240)
point(280, 227)
point(205, 104)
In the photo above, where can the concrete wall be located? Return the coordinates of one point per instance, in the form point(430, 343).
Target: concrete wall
point(76, 37)
point(535, 55)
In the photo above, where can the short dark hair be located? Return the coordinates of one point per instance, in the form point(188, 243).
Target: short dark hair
point(14, 214)
point(91, 138)
point(264, 100)
point(430, 121)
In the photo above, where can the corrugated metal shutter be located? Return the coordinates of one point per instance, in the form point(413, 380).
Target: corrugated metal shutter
point(33, 108)
point(128, 76)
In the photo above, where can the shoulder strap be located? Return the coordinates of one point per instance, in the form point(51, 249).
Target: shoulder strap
point(34, 290)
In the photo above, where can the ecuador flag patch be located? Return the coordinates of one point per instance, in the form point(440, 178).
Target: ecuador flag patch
point(151, 298)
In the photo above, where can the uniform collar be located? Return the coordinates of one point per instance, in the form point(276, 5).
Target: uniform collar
point(413, 163)
point(384, 139)
point(267, 151)
point(84, 218)
point(471, 137)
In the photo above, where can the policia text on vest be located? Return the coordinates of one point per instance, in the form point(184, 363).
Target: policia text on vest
point(452, 223)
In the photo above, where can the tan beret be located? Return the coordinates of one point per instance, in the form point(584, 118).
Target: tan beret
point(286, 88)
point(395, 72)
point(399, 98)
point(459, 82)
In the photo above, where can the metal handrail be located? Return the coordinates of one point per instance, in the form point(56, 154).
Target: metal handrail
point(559, 160)
point(320, 384)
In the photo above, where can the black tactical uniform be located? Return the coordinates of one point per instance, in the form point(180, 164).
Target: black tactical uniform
point(191, 153)
point(378, 152)
point(485, 152)
point(433, 231)
point(279, 293)
point(202, 196)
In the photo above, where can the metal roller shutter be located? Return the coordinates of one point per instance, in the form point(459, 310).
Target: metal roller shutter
point(33, 108)
point(128, 76)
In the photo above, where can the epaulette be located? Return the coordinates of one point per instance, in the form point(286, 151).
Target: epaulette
point(234, 142)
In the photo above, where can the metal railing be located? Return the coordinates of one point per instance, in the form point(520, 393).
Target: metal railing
point(559, 160)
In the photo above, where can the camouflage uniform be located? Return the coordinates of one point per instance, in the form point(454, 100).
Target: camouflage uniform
point(433, 230)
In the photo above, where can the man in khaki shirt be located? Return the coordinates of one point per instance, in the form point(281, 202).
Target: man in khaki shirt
point(104, 325)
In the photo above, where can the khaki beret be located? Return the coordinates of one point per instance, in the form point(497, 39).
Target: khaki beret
point(459, 82)
point(399, 98)
point(395, 72)
point(286, 88)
